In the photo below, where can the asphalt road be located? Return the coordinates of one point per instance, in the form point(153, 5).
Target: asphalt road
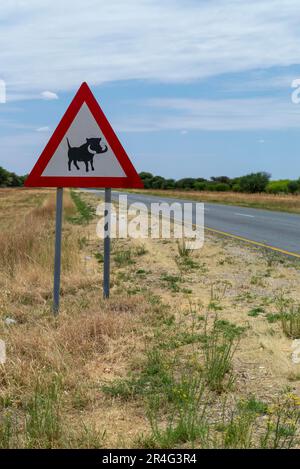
point(277, 230)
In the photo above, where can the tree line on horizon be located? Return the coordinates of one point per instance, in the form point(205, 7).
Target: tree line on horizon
point(250, 183)
point(9, 179)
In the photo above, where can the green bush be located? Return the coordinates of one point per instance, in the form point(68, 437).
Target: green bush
point(236, 188)
point(294, 186)
point(254, 182)
point(157, 182)
point(168, 184)
point(185, 183)
point(221, 179)
point(85, 212)
point(8, 179)
point(278, 187)
point(219, 187)
point(201, 186)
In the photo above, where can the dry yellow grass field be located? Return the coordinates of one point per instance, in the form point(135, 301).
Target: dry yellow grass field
point(189, 351)
point(282, 202)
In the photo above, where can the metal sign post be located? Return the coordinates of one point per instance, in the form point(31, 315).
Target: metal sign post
point(107, 227)
point(57, 260)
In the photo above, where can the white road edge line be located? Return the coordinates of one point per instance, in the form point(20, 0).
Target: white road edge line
point(244, 215)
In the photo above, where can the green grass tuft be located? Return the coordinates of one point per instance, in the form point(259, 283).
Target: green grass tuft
point(86, 212)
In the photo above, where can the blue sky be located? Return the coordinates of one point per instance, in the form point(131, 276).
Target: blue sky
point(193, 88)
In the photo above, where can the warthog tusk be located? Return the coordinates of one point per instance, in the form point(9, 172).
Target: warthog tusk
point(91, 151)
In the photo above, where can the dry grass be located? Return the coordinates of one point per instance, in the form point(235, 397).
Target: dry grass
point(51, 386)
point(41, 350)
point(30, 242)
point(282, 202)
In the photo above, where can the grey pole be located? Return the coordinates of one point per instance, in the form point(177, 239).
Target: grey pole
point(57, 260)
point(106, 265)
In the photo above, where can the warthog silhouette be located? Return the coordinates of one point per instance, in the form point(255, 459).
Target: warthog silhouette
point(85, 153)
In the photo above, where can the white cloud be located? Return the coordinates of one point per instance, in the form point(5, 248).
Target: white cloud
point(57, 45)
point(43, 129)
point(27, 96)
point(259, 81)
point(219, 115)
point(49, 95)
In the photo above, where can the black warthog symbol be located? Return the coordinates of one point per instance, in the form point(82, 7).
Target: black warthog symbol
point(85, 153)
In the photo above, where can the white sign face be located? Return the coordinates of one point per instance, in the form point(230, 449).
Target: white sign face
point(84, 151)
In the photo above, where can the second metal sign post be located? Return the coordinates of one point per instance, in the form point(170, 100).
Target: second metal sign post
point(107, 228)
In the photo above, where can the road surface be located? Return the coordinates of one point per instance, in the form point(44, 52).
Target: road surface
point(279, 231)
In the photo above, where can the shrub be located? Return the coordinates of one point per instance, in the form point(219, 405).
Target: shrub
point(221, 179)
point(236, 188)
point(185, 183)
point(219, 187)
point(168, 184)
point(157, 182)
point(147, 183)
point(85, 212)
point(254, 182)
point(200, 186)
point(220, 344)
point(294, 186)
point(123, 258)
point(278, 187)
point(8, 179)
point(186, 421)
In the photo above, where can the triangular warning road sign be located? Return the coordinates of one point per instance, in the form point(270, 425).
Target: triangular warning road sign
point(84, 151)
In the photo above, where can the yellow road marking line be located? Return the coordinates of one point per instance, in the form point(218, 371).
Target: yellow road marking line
point(247, 240)
point(256, 243)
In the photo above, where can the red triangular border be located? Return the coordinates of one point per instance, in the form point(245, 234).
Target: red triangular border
point(35, 178)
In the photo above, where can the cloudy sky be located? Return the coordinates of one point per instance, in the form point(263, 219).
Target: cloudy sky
point(192, 87)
